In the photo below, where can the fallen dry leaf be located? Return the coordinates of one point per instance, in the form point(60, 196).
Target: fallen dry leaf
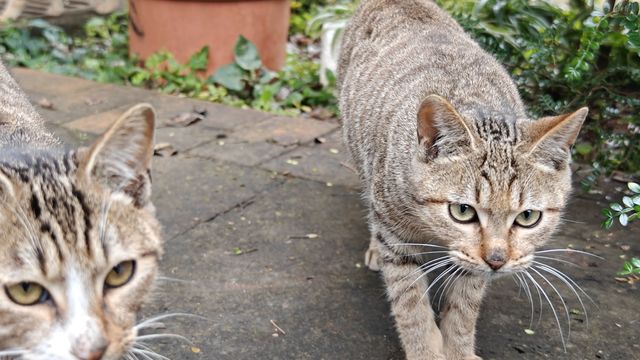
point(164, 150)
point(45, 104)
point(187, 118)
point(321, 113)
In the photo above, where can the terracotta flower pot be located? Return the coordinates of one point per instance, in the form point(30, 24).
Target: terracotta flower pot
point(183, 27)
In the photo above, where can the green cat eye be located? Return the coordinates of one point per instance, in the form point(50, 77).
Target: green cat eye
point(27, 293)
point(462, 213)
point(120, 274)
point(529, 218)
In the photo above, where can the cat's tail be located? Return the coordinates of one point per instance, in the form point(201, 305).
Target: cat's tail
point(20, 123)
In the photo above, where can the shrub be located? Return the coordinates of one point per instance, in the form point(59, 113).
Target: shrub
point(101, 53)
point(564, 59)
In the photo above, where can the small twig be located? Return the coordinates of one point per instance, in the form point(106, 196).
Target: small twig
point(348, 166)
point(278, 328)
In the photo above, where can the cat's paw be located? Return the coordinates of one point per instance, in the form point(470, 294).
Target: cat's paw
point(372, 259)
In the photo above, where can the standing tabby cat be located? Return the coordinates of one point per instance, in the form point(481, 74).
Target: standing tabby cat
point(79, 243)
point(447, 156)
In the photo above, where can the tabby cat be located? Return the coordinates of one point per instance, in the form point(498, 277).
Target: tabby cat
point(79, 242)
point(450, 164)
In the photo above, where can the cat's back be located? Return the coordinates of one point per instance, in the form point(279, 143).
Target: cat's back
point(397, 52)
point(20, 125)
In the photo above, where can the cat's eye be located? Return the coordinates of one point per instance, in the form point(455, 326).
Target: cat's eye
point(463, 213)
point(120, 274)
point(27, 293)
point(529, 218)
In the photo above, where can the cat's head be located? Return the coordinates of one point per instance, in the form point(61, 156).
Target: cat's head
point(491, 188)
point(79, 244)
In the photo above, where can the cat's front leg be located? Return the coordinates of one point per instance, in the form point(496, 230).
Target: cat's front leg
point(414, 317)
point(458, 319)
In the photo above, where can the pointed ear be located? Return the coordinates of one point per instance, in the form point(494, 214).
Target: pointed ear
point(550, 138)
point(121, 157)
point(442, 131)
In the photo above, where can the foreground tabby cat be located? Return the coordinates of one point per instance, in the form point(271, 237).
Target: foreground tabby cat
point(448, 160)
point(79, 243)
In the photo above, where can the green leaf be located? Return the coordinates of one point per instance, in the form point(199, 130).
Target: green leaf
point(634, 40)
point(246, 54)
point(39, 23)
point(230, 76)
point(635, 262)
point(624, 219)
point(606, 224)
point(627, 269)
point(634, 187)
point(616, 207)
point(199, 60)
point(627, 201)
point(584, 149)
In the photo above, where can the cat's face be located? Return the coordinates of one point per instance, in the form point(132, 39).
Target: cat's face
point(492, 191)
point(79, 246)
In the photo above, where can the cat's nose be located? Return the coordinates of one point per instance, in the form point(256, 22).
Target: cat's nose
point(97, 354)
point(495, 260)
point(93, 354)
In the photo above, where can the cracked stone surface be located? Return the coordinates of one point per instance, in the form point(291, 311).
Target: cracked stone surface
point(238, 203)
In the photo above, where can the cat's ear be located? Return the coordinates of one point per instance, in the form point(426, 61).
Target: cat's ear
point(442, 131)
point(121, 157)
point(550, 138)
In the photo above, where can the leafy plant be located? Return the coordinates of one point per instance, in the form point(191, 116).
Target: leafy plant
point(628, 211)
point(100, 53)
point(631, 267)
point(297, 87)
point(563, 59)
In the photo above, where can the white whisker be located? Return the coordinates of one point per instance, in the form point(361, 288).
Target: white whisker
point(432, 268)
point(568, 278)
point(556, 259)
point(555, 314)
point(153, 355)
point(564, 304)
point(435, 281)
point(570, 251)
point(527, 291)
point(555, 273)
point(426, 266)
point(418, 244)
point(450, 283)
point(161, 336)
point(152, 321)
point(165, 278)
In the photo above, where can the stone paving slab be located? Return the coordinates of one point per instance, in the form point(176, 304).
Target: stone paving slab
point(326, 161)
point(262, 141)
point(189, 191)
point(314, 289)
point(231, 189)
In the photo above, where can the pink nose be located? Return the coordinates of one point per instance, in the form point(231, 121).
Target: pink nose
point(95, 354)
point(495, 260)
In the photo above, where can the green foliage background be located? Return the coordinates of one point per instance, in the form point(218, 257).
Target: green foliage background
point(560, 59)
point(565, 59)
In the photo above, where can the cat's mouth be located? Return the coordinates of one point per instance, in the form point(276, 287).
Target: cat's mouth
point(487, 266)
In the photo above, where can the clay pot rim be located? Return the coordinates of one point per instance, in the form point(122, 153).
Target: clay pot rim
point(220, 1)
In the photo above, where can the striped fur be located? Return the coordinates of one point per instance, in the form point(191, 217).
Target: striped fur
point(431, 120)
point(67, 217)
